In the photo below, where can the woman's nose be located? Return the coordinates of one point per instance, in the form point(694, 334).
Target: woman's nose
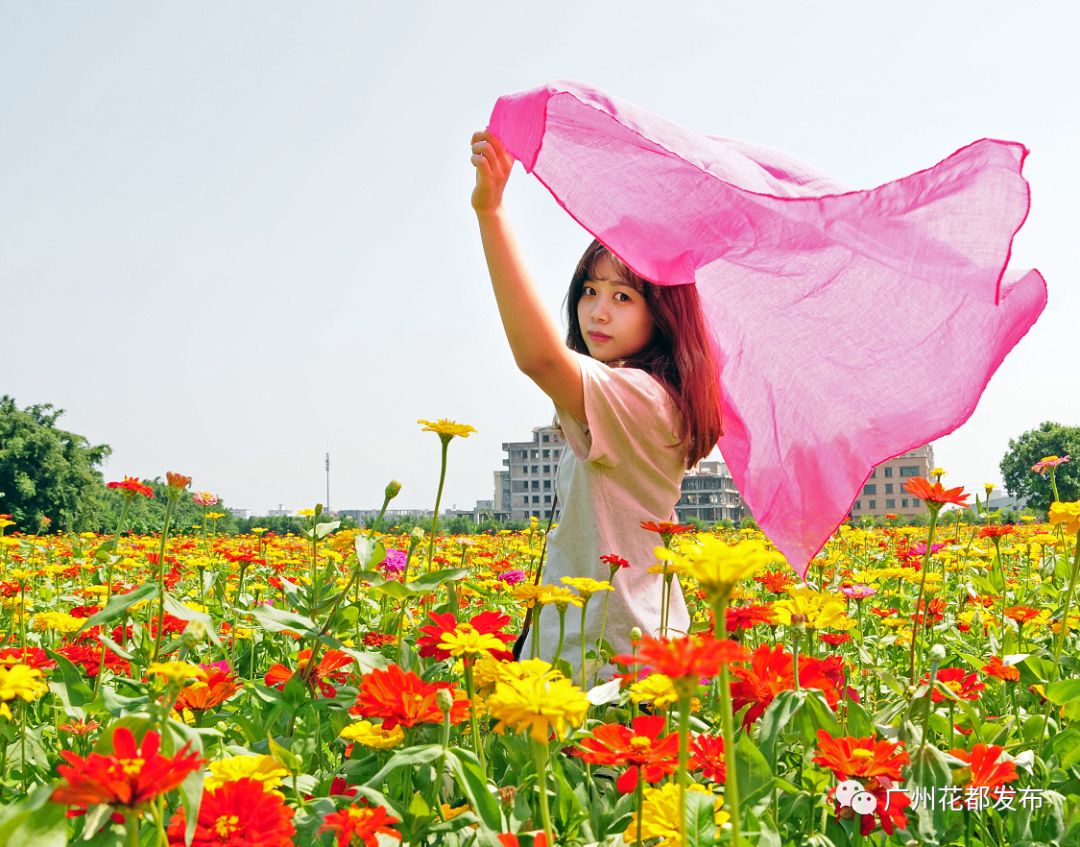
point(599, 313)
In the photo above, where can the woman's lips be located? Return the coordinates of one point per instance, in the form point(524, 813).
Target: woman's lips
point(599, 336)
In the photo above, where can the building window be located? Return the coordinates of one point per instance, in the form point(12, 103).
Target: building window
point(890, 503)
point(557, 454)
point(546, 453)
point(873, 473)
point(536, 485)
point(536, 469)
point(869, 489)
point(547, 468)
point(904, 502)
point(536, 498)
point(547, 498)
point(909, 470)
point(547, 485)
point(873, 503)
point(888, 472)
point(888, 488)
point(536, 454)
point(858, 504)
point(545, 438)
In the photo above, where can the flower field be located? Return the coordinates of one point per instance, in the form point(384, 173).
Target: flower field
point(353, 687)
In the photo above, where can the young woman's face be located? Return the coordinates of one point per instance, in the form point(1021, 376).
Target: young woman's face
point(613, 315)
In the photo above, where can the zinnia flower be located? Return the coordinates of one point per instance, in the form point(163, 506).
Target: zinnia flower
point(365, 823)
point(373, 735)
point(128, 777)
point(218, 686)
point(541, 702)
point(265, 770)
point(484, 629)
point(177, 482)
point(996, 531)
point(718, 566)
point(984, 769)
point(205, 498)
point(874, 763)
point(687, 658)
point(22, 682)
point(962, 685)
point(1047, 462)
point(816, 609)
point(131, 487)
point(661, 811)
point(446, 429)
point(935, 496)
point(639, 746)
point(237, 814)
point(997, 668)
point(402, 697)
point(771, 670)
point(326, 671)
point(1067, 514)
point(708, 758)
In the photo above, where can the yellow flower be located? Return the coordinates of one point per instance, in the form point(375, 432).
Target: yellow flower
point(20, 681)
point(176, 671)
point(58, 622)
point(587, 587)
point(446, 429)
point(561, 597)
point(264, 769)
point(306, 513)
point(464, 640)
point(539, 703)
point(718, 566)
point(373, 735)
point(1067, 514)
point(815, 609)
point(660, 815)
point(659, 690)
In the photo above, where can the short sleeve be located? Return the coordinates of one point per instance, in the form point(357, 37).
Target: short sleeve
point(624, 409)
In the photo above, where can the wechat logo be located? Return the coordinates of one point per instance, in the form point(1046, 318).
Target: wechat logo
point(852, 795)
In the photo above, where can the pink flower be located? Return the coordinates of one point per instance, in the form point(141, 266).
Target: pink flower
point(205, 498)
point(1048, 462)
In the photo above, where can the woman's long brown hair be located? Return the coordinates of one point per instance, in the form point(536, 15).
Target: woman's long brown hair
point(681, 354)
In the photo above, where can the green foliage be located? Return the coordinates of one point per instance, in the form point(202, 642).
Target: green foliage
point(1049, 439)
point(48, 476)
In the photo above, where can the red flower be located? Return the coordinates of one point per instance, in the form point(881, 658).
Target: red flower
point(771, 671)
point(876, 764)
point(707, 756)
point(129, 777)
point(33, 657)
point(984, 769)
point(328, 669)
point(486, 623)
point(964, 686)
point(89, 659)
point(835, 639)
point(131, 487)
point(856, 758)
point(401, 697)
point(775, 582)
point(510, 839)
point(996, 531)
point(218, 687)
point(363, 822)
point(744, 617)
point(934, 612)
point(614, 562)
point(665, 528)
point(694, 656)
point(935, 496)
point(997, 668)
point(237, 814)
point(1021, 614)
point(177, 481)
point(639, 746)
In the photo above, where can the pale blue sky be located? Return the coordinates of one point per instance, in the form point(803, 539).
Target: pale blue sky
point(235, 236)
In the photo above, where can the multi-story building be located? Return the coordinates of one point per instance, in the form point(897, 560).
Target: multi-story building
point(884, 491)
point(528, 481)
point(709, 494)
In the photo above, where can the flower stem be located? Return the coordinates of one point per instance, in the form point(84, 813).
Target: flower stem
point(473, 723)
point(438, 499)
point(584, 680)
point(1063, 631)
point(540, 754)
point(922, 588)
point(169, 507)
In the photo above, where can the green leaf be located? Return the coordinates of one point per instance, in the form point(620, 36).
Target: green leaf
point(753, 773)
point(72, 689)
point(324, 529)
point(409, 757)
point(700, 819)
point(369, 552)
point(430, 582)
point(34, 821)
point(177, 609)
point(279, 620)
point(776, 719)
point(1064, 691)
point(284, 756)
point(119, 604)
point(474, 785)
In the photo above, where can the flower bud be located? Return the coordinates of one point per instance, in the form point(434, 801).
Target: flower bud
point(194, 632)
point(393, 489)
point(445, 700)
point(937, 652)
point(417, 534)
point(635, 633)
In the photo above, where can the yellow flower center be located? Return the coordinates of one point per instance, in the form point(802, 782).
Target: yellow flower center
point(226, 825)
point(862, 753)
point(131, 767)
point(640, 742)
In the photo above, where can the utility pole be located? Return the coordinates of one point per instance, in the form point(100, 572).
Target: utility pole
point(328, 484)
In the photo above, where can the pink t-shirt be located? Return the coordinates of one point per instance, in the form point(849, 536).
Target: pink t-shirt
point(624, 466)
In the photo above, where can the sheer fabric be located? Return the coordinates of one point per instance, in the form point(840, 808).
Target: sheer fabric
point(852, 326)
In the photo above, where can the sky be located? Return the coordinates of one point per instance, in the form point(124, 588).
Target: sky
point(235, 237)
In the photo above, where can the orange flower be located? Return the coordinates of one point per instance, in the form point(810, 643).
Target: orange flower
point(486, 623)
point(132, 487)
point(934, 495)
point(218, 687)
point(692, 657)
point(237, 814)
point(363, 822)
point(1021, 614)
point(128, 777)
point(996, 531)
point(640, 746)
point(771, 671)
point(327, 669)
point(177, 481)
point(707, 756)
point(858, 758)
point(776, 582)
point(997, 668)
point(984, 769)
point(744, 617)
point(666, 528)
point(402, 697)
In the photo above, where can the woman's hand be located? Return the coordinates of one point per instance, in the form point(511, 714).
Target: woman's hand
point(493, 165)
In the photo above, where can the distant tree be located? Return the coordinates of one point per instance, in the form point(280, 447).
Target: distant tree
point(1049, 439)
point(48, 476)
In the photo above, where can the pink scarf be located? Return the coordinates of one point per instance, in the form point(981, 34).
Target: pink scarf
point(852, 326)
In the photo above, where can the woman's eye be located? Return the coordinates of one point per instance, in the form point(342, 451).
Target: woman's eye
point(622, 297)
point(588, 289)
